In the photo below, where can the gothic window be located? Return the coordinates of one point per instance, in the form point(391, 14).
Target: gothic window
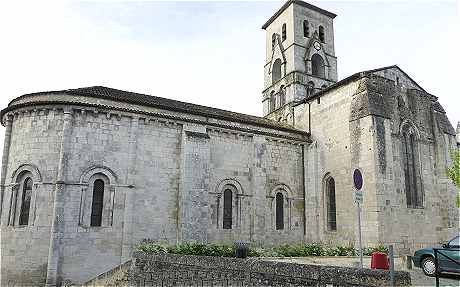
point(279, 211)
point(317, 66)
point(414, 196)
point(321, 33)
point(273, 40)
point(310, 88)
point(331, 213)
point(272, 101)
point(283, 32)
point(97, 202)
point(282, 96)
point(306, 29)
point(228, 212)
point(25, 201)
point(276, 71)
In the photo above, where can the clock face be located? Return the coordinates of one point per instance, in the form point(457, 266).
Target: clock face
point(317, 46)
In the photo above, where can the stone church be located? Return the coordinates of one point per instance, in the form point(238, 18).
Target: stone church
point(88, 173)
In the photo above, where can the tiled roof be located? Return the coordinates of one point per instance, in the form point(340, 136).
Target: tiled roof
point(354, 77)
point(301, 3)
point(164, 103)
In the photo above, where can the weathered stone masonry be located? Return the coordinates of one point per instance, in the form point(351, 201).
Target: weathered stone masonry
point(165, 178)
point(110, 168)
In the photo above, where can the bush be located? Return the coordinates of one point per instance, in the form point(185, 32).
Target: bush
point(228, 250)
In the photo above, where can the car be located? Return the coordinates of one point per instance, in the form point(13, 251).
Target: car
point(424, 258)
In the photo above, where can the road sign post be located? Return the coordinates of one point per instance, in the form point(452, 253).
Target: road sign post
point(359, 237)
point(358, 196)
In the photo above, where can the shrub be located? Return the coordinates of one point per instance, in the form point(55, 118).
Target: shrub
point(228, 250)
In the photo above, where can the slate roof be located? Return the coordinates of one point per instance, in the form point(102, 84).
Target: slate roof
point(163, 103)
point(301, 3)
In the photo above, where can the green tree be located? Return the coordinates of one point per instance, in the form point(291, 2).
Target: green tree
point(454, 172)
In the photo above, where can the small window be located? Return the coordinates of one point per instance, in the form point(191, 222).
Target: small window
point(323, 87)
point(279, 211)
point(331, 212)
point(283, 32)
point(318, 100)
point(25, 201)
point(97, 203)
point(321, 33)
point(276, 71)
point(282, 96)
point(310, 88)
point(227, 218)
point(306, 29)
point(273, 40)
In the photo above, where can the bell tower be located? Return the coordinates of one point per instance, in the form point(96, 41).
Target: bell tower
point(300, 56)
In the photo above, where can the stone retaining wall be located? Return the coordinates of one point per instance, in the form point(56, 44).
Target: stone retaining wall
point(187, 270)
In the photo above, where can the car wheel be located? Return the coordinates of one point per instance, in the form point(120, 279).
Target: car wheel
point(428, 266)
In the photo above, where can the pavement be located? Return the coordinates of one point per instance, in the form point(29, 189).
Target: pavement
point(418, 278)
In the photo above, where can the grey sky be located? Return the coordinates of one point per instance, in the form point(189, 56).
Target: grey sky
point(212, 53)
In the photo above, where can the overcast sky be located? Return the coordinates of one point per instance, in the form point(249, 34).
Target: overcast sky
point(212, 53)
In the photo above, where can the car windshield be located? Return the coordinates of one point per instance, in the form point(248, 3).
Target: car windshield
point(455, 242)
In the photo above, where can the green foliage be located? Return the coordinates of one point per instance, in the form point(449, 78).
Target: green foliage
point(228, 250)
point(453, 172)
point(220, 250)
point(368, 251)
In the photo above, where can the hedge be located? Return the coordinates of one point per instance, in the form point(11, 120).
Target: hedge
point(228, 250)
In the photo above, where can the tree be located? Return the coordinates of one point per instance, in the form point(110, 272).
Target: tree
point(454, 172)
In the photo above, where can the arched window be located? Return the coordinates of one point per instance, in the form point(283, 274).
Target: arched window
point(317, 66)
point(331, 212)
point(310, 88)
point(276, 71)
point(321, 33)
point(414, 195)
point(273, 40)
point(323, 87)
point(25, 201)
point(228, 209)
point(306, 29)
point(282, 96)
point(279, 211)
point(283, 32)
point(97, 202)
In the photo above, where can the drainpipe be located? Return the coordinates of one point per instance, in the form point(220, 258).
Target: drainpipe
point(57, 227)
point(304, 193)
point(6, 154)
point(309, 118)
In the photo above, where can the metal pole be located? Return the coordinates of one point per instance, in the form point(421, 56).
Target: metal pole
point(436, 266)
point(392, 265)
point(360, 240)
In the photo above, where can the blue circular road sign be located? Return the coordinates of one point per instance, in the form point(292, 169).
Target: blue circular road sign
point(358, 179)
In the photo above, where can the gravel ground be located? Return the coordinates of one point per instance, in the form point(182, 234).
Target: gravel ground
point(418, 278)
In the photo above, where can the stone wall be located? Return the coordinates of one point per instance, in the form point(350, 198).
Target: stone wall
point(164, 178)
point(358, 125)
point(186, 270)
point(35, 143)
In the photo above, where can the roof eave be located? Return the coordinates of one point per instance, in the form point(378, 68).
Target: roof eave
point(301, 3)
